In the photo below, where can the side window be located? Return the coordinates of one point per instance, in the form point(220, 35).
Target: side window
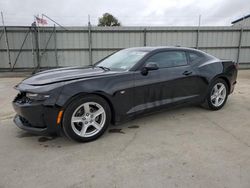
point(169, 59)
point(194, 57)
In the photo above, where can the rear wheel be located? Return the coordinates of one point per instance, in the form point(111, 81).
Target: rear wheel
point(217, 95)
point(86, 118)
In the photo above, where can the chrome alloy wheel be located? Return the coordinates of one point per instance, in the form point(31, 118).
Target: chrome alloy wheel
point(88, 119)
point(218, 94)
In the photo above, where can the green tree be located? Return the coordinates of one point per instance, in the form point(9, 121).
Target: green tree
point(108, 20)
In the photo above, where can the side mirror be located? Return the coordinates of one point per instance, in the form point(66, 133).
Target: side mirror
point(148, 67)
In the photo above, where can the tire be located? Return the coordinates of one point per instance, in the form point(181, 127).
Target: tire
point(216, 100)
point(81, 121)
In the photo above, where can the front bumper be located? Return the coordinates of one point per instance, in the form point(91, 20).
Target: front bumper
point(25, 125)
point(36, 118)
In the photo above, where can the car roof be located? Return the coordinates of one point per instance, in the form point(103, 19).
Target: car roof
point(154, 48)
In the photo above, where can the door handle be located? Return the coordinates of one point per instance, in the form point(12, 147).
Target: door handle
point(187, 73)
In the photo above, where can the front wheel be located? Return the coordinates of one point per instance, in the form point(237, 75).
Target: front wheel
point(217, 95)
point(87, 118)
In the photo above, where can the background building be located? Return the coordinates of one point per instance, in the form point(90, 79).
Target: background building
point(242, 22)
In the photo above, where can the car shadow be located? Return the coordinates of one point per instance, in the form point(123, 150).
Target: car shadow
point(122, 128)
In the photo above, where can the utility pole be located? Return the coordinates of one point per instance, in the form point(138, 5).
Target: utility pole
point(55, 41)
point(198, 33)
point(38, 41)
point(6, 40)
point(199, 20)
point(90, 41)
point(37, 49)
point(240, 40)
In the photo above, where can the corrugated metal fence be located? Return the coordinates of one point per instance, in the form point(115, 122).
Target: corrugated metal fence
point(32, 47)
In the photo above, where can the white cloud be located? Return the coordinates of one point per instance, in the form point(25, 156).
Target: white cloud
point(129, 12)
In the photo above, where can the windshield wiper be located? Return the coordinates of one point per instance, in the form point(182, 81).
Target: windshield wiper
point(104, 68)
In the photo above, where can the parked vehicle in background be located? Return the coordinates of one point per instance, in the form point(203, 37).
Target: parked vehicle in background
point(83, 101)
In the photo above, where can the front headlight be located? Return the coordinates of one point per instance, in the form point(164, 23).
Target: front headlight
point(37, 96)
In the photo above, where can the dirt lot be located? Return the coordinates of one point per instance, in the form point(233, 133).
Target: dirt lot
point(186, 147)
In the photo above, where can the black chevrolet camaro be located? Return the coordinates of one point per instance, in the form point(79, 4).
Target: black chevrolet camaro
point(83, 101)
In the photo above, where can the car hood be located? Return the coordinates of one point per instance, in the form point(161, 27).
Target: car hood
point(65, 74)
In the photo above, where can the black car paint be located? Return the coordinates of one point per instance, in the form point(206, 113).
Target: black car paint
point(128, 93)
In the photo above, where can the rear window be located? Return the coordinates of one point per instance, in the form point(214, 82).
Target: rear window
point(195, 57)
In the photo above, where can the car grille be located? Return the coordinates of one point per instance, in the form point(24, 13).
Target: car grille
point(22, 99)
point(25, 121)
point(28, 124)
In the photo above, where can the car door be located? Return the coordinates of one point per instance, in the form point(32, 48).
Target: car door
point(174, 82)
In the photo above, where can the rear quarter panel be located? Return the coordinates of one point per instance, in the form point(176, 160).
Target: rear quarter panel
point(215, 68)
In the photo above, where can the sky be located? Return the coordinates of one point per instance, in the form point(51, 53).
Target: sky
point(128, 12)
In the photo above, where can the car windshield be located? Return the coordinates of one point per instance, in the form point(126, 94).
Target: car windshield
point(122, 60)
